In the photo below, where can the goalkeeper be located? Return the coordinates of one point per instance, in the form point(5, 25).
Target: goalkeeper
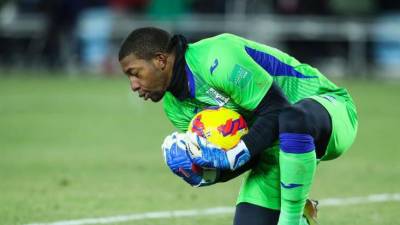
point(298, 117)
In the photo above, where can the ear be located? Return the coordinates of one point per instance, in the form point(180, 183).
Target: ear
point(160, 60)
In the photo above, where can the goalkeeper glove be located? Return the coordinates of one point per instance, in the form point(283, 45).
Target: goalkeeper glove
point(210, 156)
point(177, 159)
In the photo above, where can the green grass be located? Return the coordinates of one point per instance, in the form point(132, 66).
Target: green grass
point(79, 148)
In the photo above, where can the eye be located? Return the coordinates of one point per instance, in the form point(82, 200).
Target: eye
point(132, 73)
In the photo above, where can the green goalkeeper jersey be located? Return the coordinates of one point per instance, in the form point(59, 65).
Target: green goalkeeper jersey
point(233, 72)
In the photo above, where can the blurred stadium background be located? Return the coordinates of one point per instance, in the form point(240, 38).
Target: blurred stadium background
point(75, 143)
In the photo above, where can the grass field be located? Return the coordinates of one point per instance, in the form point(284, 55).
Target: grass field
point(79, 148)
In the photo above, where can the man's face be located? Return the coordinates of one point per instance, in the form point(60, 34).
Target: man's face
point(147, 77)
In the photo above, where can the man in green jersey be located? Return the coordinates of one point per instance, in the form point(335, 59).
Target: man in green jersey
point(297, 116)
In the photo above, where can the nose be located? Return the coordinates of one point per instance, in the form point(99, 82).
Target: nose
point(135, 86)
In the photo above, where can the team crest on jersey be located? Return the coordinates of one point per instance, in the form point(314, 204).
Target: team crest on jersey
point(231, 127)
point(220, 99)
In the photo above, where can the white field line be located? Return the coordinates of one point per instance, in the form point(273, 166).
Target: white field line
point(216, 211)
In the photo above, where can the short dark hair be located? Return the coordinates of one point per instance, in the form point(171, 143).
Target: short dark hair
point(145, 42)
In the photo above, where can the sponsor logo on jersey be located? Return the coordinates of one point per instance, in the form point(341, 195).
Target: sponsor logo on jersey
point(214, 66)
point(231, 127)
point(220, 99)
point(329, 98)
point(290, 186)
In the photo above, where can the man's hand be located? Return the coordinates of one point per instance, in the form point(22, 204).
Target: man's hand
point(213, 157)
point(177, 158)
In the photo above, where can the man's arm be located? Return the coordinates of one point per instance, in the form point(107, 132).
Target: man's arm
point(227, 175)
point(263, 133)
point(265, 129)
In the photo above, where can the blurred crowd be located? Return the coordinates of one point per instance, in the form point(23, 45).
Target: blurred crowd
point(78, 32)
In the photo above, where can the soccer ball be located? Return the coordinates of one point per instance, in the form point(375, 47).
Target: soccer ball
point(221, 127)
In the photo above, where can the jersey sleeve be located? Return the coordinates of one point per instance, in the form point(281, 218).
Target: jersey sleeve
point(238, 75)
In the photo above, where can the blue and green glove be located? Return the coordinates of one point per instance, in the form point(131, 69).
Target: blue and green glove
point(177, 159)
point(211, 156)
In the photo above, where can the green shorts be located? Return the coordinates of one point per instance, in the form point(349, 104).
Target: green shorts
point(262, 185)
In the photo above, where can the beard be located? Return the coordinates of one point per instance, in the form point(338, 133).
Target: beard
point(156, 96)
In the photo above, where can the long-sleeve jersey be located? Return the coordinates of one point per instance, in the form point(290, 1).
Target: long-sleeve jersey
point(236, 73)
